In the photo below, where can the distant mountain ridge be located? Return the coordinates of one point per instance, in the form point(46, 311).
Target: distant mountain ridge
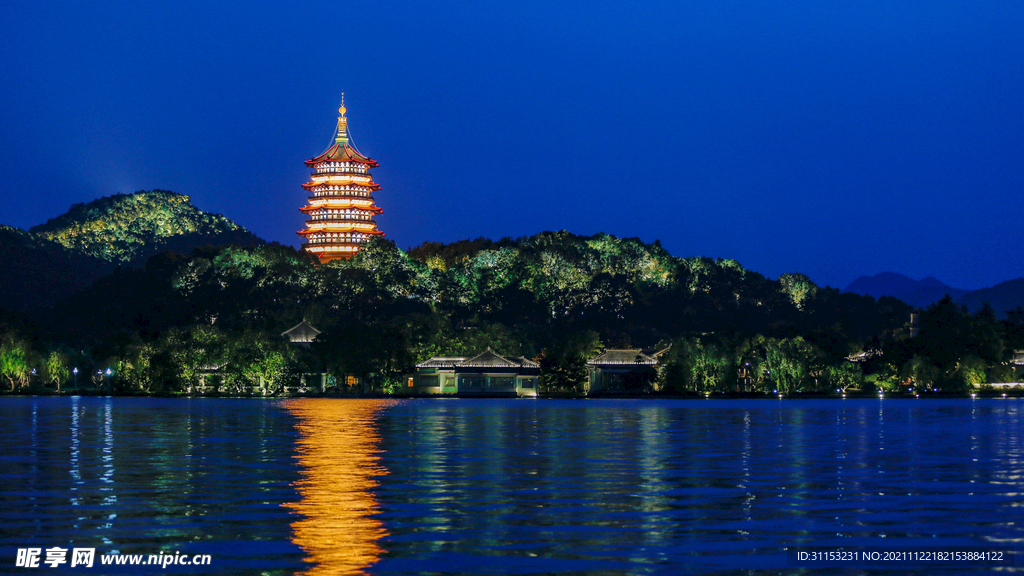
point(1002, 297)
point(922, 293)
point(51, 261)
point(918, 293)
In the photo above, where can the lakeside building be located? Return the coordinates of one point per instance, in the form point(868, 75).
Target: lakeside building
point(615, 371)
point(618, 371)
point(340, 211)
point(487, 374)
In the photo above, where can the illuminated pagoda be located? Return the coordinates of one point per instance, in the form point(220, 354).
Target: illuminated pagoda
point(339, 215)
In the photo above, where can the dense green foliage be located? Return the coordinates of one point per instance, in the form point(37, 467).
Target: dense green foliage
point(218, 314)
point(123, 227)
point(70, 252)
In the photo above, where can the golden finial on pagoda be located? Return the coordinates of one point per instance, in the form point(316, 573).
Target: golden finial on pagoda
point(342, 109)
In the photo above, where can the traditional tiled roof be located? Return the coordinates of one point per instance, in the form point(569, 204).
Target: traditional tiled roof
point(658, 354)
point(370, 208)
point(864, 355)
point(339, 153)
point(1018, 357)
point(301, 332)
point(489, 359)
point(442, 362)
point(335, 226)
point(524, 361)
point(621, 358)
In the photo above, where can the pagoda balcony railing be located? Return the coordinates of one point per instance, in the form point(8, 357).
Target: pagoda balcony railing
point(341, 194)
point(325, 177)
point(341, 171)
point(367, 186)
point(341, 219)
point(336, 242)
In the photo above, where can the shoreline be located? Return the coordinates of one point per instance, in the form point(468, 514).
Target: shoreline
point(978, 395)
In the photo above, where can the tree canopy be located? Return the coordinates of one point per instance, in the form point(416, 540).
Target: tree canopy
point(554, 297)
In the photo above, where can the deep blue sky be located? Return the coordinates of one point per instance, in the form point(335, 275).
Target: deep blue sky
point(831, 138)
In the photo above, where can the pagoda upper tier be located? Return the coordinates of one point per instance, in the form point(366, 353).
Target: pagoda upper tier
point(340, 212)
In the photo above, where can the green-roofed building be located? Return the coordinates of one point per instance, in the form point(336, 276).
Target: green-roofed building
point(487, 374)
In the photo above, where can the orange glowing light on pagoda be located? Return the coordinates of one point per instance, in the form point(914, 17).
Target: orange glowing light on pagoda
point(340, 211)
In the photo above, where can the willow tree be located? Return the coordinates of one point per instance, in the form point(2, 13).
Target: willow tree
point(56, 368)
point(258, 359)
point(784, 366)
point(698, 366)
point(919, 371)
point(187, 351)
point(14, 361)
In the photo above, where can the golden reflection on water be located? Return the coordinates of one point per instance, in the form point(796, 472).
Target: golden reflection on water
point(339, 460)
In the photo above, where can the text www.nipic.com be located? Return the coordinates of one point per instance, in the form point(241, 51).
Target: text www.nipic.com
point(57, 556)
point(162, 560)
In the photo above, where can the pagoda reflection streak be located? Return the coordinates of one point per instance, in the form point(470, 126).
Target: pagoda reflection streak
point(339, 460)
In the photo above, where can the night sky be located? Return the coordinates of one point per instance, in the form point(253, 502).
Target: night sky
point(830, 138)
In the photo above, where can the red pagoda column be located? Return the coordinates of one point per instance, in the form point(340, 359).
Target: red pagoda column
point(340, 211)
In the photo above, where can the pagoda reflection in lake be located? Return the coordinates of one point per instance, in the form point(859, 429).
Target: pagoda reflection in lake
point(338, 454)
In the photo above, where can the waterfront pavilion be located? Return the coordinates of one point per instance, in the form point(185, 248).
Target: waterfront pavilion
point(487, 374)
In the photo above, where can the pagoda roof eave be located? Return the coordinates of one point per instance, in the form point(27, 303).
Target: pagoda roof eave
point(322, 157)
point(308, 231)
point(326, 245)
point(338, 154)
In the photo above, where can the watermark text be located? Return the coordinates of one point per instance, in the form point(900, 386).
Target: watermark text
point(87, 558)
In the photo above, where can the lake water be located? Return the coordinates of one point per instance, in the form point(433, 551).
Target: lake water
point(325, 486)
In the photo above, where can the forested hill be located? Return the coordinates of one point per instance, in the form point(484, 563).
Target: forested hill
point(554, 297)
point(54, 260)
point(127, 227)
point(518, 296)
point(636, 293)
point(38, 272)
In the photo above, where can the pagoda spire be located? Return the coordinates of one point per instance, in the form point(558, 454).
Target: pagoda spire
point(341, 137)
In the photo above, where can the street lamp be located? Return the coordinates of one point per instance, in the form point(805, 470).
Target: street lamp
point(75, 372)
